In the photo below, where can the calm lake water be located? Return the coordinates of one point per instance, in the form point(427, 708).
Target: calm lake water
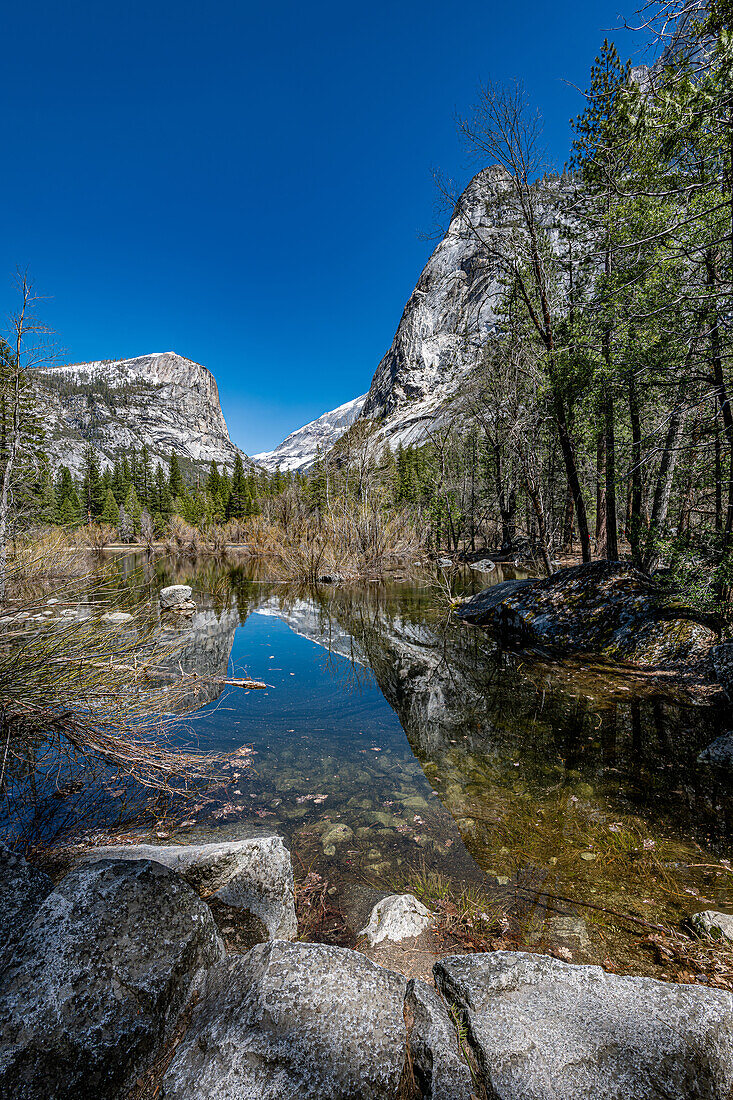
point(393, 741)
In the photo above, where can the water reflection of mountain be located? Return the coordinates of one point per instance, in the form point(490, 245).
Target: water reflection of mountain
point(204, 645)
point(483, 726)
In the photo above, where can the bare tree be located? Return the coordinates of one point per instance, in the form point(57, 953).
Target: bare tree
point(28, 349)
point(502, 129)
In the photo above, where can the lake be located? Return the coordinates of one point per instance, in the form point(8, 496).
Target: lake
point(393, 744)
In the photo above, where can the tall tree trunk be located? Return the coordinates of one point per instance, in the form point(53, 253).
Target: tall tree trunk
point(571, 469)
point(663, 489)
point(635, 523)
point(611, 520)
point(601, 493)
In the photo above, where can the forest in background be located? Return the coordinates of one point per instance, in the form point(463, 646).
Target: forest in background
point(597, 420)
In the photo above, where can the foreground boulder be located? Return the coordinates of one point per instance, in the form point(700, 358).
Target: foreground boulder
point(542, 1029)
point(22, 889)
point(254, 874)
point(439, 1071)
point(609, 608)
point(294, 1020)
point(99, 978)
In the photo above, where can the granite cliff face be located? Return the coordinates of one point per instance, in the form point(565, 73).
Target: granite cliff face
point(449, 317)
point(298, 451)
point(165, 401)
point(451, 313)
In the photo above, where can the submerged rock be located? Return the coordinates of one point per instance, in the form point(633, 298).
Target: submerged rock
point(609, 608)
point(397, 917)
point(116, 618)
point(101, 974)
point(718, 926)
point(719, 753)
point(440, 1072)
point(544, 1029)
point(254, 874)
point(22, 889)
point(294, 1020)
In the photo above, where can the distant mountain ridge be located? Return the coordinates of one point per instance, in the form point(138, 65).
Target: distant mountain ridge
point(163, 400)
point(298, 451)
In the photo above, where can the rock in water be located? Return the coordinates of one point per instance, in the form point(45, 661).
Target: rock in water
point(177, 598)
point(609, 608)
point(397, 917)
point(544, 1030)
point(440, 1072)
point(101, 973)
point(718, 926)
point(22, 889)
point(254, 874)
point(290, 1020)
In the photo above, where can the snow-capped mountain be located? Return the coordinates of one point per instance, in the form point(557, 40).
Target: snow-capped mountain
point(164, 400)
point(298, 451)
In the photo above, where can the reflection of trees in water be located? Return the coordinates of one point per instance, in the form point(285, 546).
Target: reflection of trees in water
point(460, 700)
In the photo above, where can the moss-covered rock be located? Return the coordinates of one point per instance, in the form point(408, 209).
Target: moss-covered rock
point(609, 608)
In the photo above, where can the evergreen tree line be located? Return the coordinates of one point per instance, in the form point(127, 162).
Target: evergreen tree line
point(138, 498)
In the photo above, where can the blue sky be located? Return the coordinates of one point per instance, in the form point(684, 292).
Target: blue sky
point(245, 183)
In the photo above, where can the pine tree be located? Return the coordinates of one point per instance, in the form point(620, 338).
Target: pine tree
point(239, 497)
point(133, 510)
point(93, 494)
point(111, 511)
point(176, 484)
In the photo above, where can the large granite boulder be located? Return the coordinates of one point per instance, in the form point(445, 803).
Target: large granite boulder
point(609, 608)
point(22, 889)
point(100, 976)
point(543, 1029)
point(439, 1070)
point(254, 874)
point(294, 1020)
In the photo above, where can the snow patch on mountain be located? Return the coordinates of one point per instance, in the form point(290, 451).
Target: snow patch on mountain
point(298, 451)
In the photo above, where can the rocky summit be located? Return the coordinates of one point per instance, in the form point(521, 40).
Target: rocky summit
point(165, 401)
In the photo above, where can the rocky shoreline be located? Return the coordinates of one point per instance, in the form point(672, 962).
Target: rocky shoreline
point(115, 983)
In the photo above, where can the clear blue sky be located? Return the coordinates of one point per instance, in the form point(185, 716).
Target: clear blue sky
point(244, 183)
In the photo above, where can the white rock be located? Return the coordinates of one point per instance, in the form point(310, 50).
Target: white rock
point(52, 601)
point(397, 917)
point(486, 565)
point(68, 613)
point(254, 874)
point(175, 596)
point(719, 926)
point(117, 617)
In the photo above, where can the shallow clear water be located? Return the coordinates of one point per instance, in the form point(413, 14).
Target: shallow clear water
point(393, 741)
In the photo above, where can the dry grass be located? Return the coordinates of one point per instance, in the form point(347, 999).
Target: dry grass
point(87, 706)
